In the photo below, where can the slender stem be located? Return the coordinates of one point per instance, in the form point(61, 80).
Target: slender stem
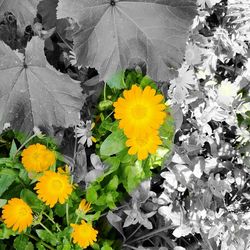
point(131, 247)
point(71, 48)
point(77, 218)
point(51, 219)
point(104, 91)
point(152, 233)
point(131, 235)
point(67, 213)
point(20, 148)
point(36, 239)
point(203, 236)
point(109, 115)
point(21, 180)
point(46, 228)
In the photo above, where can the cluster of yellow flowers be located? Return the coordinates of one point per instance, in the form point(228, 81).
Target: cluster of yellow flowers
point(140, 114)
point(52, 187)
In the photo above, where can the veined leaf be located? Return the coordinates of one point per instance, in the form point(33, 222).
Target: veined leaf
point(24, 10)
point(114, 35)
point(114, 143)
point(32, 93)
point(47, 9)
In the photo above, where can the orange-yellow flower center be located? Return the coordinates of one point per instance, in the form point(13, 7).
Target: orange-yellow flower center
point(139, 111)
point(22, 211)
point(56, 184)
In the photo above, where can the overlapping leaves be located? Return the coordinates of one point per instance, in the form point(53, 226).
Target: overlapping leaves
point(115, 34)
point(32, 93)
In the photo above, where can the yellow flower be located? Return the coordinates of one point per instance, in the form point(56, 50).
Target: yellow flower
point(84, 234)
point(139, 110)
point(142, 145)
point(53, 187)
point(64, 170)
point(84, 206)
point(37, 158)
point(17, 214)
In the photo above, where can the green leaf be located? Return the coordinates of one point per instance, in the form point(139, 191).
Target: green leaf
point(32, 200)
point(60, 210)
point(114, 143)
point(40, 246)
point(117, 81)
point(5, 232)
point(2, 202)
point(47, 237)
point(13, 149)
point(167, 130)
point(21, 242)
point(132, 176)
point(91, 194)
point(35, 94)
point(135, 31)
point(113, 163)
point(147, 81)
point(92, 217)
point(66, 244)
point(113, 183)
point(5, 161)
point(111, 199)
point(7, 177)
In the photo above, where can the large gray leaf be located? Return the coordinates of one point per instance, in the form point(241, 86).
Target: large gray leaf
point(47, 9)
point(115, 34)
point(24, 10)
point(32, 93)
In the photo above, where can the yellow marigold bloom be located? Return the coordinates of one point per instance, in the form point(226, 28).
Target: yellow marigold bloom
point(84, 234)
point(17, 214)
point(37, 158)
point(53, 187)
point(84, 206)
point(139, 110)
point(142, 145)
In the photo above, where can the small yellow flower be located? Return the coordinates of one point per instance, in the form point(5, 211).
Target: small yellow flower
point(17, 214)
point(64, 170)
point(140, 110)
point(144, 144)
point(37, 158)
point(84, 234)
point(84, 206)
point(53, 187)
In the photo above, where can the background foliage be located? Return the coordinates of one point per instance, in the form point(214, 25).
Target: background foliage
point(200, 199)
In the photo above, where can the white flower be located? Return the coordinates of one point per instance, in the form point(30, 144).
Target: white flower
point(227, 92)
point(244, 135)
point(6, 125)
point(83, 131)
point(38, 132)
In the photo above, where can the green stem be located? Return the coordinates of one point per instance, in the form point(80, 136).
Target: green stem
point(77, 218)
point(43, 243)
point(104, 91)
point(51, 219)
point(67, 213)
point(20, 148)
point(109, 115)
point(21, 181)
point(46, 228)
